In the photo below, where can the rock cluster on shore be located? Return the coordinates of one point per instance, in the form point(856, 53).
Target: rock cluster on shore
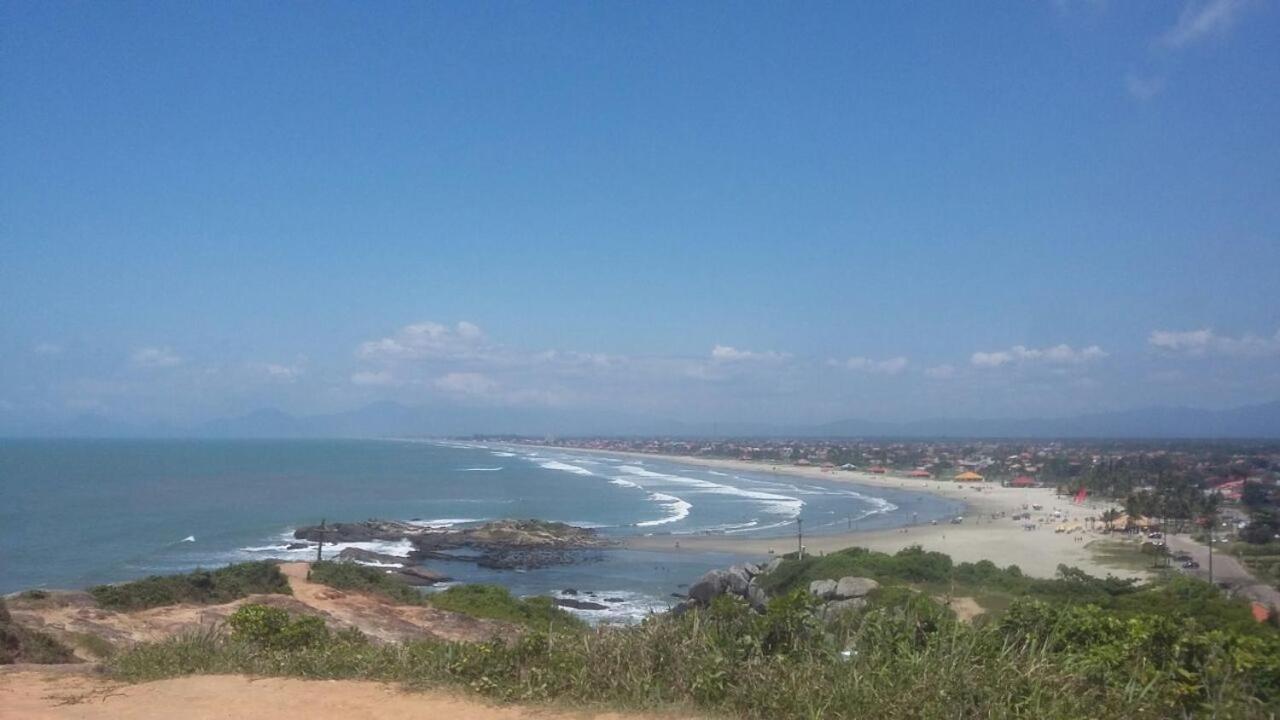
point(836, 596)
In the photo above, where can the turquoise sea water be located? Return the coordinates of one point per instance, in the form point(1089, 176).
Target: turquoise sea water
point(79, 512)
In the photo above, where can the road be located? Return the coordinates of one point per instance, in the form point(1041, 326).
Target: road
point(1226, 569)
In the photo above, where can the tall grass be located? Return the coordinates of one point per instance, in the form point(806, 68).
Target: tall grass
point(902, 660)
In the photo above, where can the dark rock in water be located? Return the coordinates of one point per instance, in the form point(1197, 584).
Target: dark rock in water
point(359, 555)
point(298, 546)
point(415, 575)
point(568, 591)
point(678, 595)
point(614, 599)
point(580, 604)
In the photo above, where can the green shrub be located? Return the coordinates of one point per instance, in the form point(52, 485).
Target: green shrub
point(271, 627)
point(496, 603)
point(202, 587)
point(21, 644)
point(361, 578)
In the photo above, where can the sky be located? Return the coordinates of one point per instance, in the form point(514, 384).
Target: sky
point(748, 211)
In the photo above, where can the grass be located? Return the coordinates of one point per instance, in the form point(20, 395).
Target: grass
point(481, 601)
point(496, 603)
point(201, 587)
point(904, 657)
point(361, 578)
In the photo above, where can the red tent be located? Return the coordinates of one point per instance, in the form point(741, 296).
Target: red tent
point(1023, 481)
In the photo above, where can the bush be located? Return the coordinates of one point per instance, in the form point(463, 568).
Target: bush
point(21, 644)
point(271, 627)
point(361, 578)
point(496, 603)
point(205, 587)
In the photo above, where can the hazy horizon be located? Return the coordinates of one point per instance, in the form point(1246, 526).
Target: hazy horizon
point(760, 215)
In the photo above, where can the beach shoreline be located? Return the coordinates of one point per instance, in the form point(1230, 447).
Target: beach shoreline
point(1001, 539)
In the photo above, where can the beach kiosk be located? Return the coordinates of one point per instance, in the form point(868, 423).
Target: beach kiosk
point(968, 476)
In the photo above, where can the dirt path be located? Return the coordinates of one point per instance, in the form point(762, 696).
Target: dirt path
point(383, 619)
point(71, 616)
point(44, 695)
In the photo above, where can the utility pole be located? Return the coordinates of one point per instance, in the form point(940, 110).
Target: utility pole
point(800, 537)
point(320, 544)
point(1211, 551)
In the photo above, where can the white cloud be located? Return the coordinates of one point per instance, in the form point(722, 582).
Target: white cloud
point(890, 366)
point(1143, 87)
point(367, 378)
point(426, 340)
point(155, 357)
point(1056, 355)
point(1200, 19)
point(466, 383)
point(725, 353)
point(1205, 342)
point(277, 372)
point(941, 372)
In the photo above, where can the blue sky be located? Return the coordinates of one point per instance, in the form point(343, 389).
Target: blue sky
point(753, 211)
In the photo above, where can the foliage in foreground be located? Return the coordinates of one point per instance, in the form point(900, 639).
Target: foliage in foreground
point(481, 601)
point(21, 644)
point(904, 657)
point(204, 587)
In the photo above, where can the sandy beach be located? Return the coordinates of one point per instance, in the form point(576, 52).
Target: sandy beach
point(1001, 540)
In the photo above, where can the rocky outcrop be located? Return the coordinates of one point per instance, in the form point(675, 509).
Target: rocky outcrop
point(579, 604)
point(739, 580)
point(420, 576)
point(369, 556)
point(502, 544)
point(855, 587)
point(365, 531)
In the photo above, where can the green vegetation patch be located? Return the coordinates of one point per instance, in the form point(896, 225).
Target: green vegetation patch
point(361, 578)
point(902, 657)
point(205, 587)
point(496, 603)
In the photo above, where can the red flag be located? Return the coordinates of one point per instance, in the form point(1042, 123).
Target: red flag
point(1080, 496)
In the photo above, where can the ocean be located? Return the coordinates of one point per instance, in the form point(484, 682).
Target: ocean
point(74, 513)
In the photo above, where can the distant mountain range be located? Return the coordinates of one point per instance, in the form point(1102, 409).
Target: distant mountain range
point(394, 419)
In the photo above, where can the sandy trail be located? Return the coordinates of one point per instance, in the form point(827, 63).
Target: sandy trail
point(43, 695)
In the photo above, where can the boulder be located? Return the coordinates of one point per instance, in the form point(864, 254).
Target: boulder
point(297, 546)
point(823, 589)
point(709, 587)
point(580, 604)
point(833, 610)
point(854, 587)
point(774, 564)
point(415, 575)
point(752, 569)
point(737, 580)
point(757, 598)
